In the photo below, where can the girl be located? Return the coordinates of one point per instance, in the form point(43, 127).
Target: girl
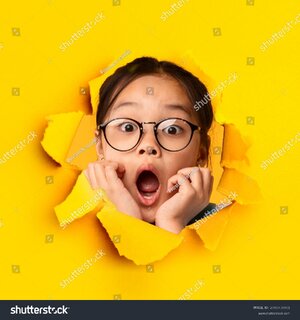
point(153, 145)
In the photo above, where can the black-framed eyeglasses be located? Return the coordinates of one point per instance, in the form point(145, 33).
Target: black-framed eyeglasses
point(172, 134)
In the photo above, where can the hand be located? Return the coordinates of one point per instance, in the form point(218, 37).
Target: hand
point(193, 188)
point(107, 175)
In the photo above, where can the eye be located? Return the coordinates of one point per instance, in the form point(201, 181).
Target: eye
point(172, 130)
point(128, 126)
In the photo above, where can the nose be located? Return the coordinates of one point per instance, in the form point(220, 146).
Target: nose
point(148, 144)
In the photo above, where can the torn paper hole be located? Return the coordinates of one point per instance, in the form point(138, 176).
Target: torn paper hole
point(82, 149)
point(82, 200)
point(69, 140)
point(235, 148)
point(59, 135)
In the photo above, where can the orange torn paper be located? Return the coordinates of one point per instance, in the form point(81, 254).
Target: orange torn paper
point(138, 237)
point(59, 134)
point(69, 139)
point(210, 229)
point(135, 239)
point(235, 148)
point(82, 149)
point(82, 200)
point(247, 189)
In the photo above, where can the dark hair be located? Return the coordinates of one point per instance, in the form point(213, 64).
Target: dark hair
point(139, 67)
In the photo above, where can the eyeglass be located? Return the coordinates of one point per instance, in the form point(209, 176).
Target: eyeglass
point(172, 134)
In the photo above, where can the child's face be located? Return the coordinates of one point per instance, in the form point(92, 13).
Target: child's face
point(149, 98)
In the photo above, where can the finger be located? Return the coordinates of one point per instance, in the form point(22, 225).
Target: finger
point(112, 178)
point(99, 176)
point(120, 168)
point(86, 173)
point(207, 181)
point(90, 174)
point(195, 176)
point(176, 182)
point(189, 171)
point(211, 185)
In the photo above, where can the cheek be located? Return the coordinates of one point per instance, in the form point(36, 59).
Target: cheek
point(111, 154)
point(129, 180)
point(183, 159)
point(191, 153)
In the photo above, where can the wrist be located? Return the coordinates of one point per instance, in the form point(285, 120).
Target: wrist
point(133, 212)
point(171, 225)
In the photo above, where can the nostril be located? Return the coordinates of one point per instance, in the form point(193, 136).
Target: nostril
point(153, 151)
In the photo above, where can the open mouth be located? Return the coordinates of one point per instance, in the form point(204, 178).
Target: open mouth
point(148, 187)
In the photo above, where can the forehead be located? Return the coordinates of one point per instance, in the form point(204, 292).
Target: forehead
point(153, 95)
point(158, 86)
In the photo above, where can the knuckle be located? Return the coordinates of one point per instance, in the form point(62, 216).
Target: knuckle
point(204, 170)
point(111, 163)
point(90, 166)
point(109, 168)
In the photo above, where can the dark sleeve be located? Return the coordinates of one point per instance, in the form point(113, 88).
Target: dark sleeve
point(200, 215)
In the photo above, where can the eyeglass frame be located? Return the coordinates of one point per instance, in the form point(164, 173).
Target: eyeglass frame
point(156, 124)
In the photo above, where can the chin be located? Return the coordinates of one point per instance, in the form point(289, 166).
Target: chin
point(148, 214)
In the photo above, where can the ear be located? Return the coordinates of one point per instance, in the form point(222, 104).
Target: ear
point(99, 146)
point(203, 154)
point(202, 159)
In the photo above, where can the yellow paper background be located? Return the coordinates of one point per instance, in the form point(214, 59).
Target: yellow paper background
point(258, 253)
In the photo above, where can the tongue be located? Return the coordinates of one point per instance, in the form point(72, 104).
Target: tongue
point(147, 182)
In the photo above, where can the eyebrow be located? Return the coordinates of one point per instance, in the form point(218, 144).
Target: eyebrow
point(171, 106)
point(124, 104)
point(178, 107)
